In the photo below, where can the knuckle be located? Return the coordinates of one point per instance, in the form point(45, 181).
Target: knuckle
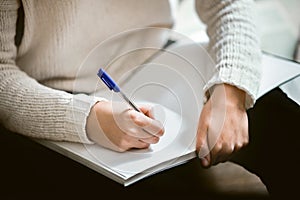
point(139, 120)
point(121, 147)
point(239, 145)
point(160, 132)
point(121, 150)
point(133, 132)
point(123, 144)
point(151, 140)
point(227, 149)
point(141, 123)
point(218, 146)
point(145, 145)
point(201, 141)
point(155, 140)
point(133, 116)
point(202, 128)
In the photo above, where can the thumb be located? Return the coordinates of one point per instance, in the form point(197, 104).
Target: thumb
point(203, 150)
point(202, 147)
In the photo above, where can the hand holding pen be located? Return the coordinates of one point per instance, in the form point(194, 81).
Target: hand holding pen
point(124, 126)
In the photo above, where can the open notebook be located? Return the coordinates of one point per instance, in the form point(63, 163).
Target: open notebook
point(178, 92)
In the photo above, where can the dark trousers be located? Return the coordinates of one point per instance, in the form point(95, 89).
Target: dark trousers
point(30, 170)
point(274, 147)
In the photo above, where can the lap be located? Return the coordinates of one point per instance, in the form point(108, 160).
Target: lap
point(274, 143)
point(29, 169)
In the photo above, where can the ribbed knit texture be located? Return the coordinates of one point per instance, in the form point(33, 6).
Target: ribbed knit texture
point(58, 35)
point(234, 44)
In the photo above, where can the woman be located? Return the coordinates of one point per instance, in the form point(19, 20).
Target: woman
point(41, 54)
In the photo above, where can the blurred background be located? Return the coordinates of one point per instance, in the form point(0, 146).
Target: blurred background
point(278, 23)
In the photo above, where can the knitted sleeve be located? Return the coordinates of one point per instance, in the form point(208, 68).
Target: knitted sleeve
point(29, 108)
point(233, 44)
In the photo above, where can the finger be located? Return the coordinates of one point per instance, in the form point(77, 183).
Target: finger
point(244, 136)
point(223, 154)
point(130, 142)
point(238, 146)
point(204, 157)
point(230, 148)
point(155, 128)
point(131, 125)
point(147, 110)
point(151, 140)
point(150, 126)
point(137, 132)
point(156, 112)
point(206, 161)
point(215, 153)
point(201, 143)
point(141, 145)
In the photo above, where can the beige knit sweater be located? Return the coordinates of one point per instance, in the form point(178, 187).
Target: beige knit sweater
point(58, 35)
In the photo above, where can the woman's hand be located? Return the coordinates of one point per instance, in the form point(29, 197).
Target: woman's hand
point(121, 128)
point(223, 125)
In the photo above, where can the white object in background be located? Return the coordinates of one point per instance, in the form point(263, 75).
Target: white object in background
point(292, 89)
point(276, 71)
point(297, 49)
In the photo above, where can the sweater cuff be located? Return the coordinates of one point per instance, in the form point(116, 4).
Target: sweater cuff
point(238, 77)
point(76, 117)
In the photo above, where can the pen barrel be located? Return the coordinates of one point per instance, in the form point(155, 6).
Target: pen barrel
point(129, 102)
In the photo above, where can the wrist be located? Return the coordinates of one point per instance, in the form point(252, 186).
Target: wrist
point(234, 96)
point(92, 126)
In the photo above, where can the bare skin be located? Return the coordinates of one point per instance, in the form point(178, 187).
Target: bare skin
point(217, 145)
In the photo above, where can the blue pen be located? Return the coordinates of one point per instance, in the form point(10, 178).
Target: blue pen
point(112, 85)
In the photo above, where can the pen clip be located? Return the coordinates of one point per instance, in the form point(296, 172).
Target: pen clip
point(112, 85)
point(108, 80)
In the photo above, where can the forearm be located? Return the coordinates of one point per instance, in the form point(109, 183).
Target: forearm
point(34, 110)
point(234, 44)
point(28, 107)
